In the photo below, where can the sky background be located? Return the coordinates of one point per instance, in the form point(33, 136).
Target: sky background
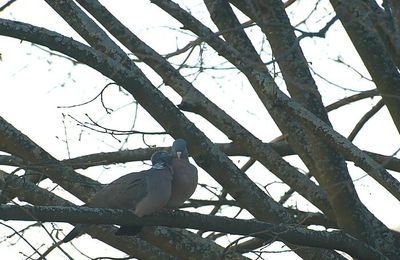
point(37, 85)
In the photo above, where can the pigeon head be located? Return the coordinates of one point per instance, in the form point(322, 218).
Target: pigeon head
point(179, 149)
point(160, 159)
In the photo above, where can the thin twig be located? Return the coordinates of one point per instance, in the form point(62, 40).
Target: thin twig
point(7, 5)
point(347, 100)
point(365, 118)
point(106, 130)
point(108, 110)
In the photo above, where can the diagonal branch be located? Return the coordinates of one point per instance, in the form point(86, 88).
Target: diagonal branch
point(363, 32)
point(365, 119)
point(15, 142)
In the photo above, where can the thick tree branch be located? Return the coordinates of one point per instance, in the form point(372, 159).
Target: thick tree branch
point(89, 30)
point(16, 143)
point(227, 22)
point(373, 52)
point(387, 25)
point(231, 149)
point(329, 167)
point(271, 17)
point(289, 233)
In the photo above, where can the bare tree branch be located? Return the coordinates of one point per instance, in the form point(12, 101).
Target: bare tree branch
point(290, 233)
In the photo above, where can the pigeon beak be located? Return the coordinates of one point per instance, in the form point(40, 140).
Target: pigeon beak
point(178, 154)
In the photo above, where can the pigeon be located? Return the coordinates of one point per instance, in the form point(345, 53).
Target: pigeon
point(168, 184)
point(184, 181)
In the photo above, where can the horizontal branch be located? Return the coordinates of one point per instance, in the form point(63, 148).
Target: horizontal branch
point(142, 154)
point(288, 233)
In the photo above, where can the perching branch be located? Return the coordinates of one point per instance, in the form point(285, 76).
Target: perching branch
point(289, 233)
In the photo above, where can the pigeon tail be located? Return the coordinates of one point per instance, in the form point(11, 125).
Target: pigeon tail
point(128, 230)
point(76, 232)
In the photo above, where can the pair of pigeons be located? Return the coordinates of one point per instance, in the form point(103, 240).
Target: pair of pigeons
point(168, 184)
